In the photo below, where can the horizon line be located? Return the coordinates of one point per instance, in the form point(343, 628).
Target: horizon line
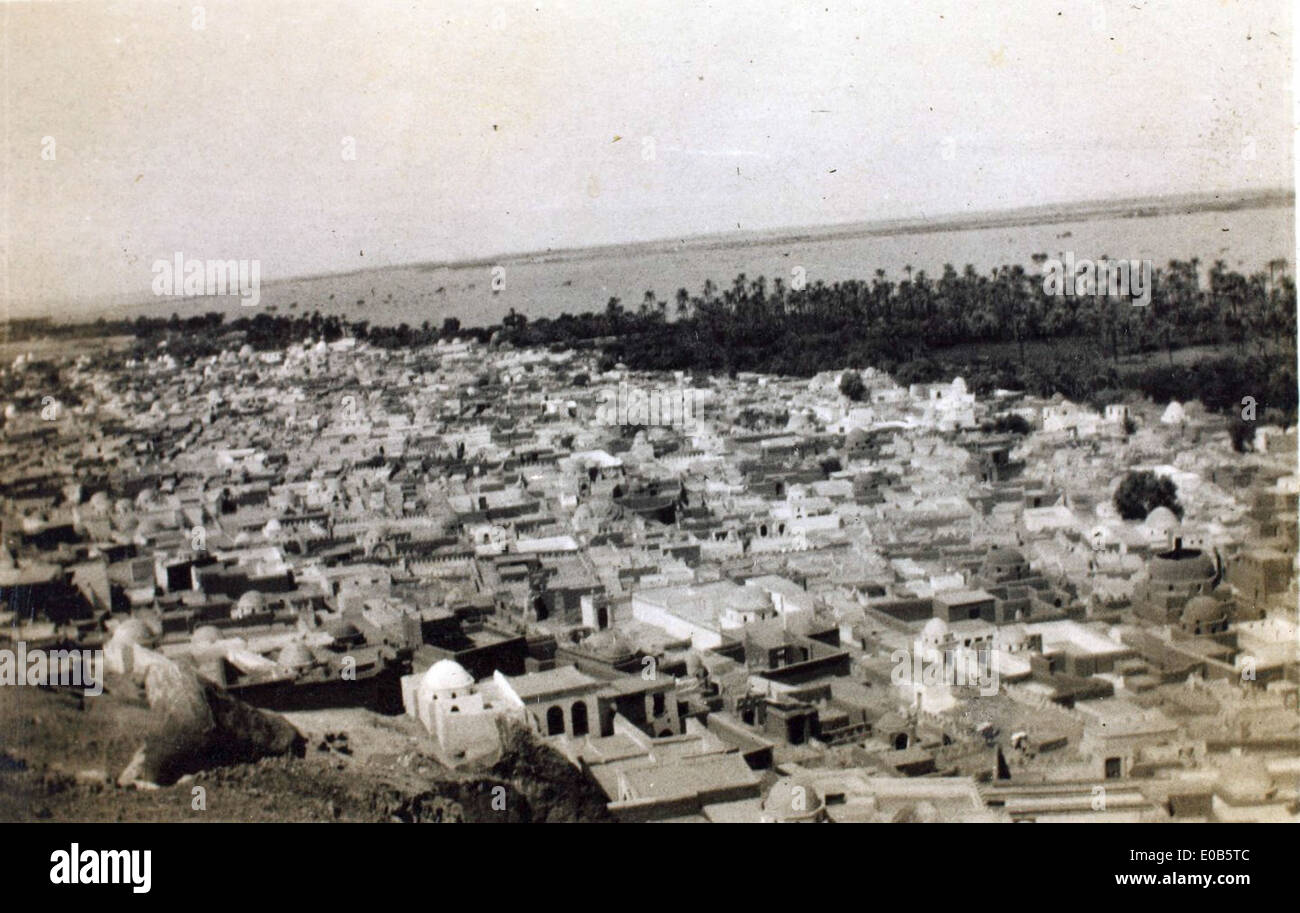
point(946, 221)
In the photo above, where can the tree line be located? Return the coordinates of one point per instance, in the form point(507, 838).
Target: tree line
point(1000, 329)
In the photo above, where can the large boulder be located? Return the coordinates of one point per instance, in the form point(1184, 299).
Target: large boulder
point(199, 727)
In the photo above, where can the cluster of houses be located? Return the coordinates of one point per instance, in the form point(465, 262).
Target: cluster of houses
point(794, 607)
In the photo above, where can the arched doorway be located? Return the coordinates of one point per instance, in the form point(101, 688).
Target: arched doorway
point(554, 721)
point(579, 713)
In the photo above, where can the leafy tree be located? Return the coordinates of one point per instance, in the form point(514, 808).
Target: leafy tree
point(1142, 492)
point(851, 385)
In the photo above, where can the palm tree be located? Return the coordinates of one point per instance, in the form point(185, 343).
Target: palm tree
point(683, 303)
point(614, 314)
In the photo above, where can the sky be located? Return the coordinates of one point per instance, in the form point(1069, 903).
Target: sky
point(330, 136)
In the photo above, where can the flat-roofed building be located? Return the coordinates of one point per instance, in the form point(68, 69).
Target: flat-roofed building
point(964, 605)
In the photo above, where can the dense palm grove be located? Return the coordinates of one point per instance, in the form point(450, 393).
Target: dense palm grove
point(999, 329)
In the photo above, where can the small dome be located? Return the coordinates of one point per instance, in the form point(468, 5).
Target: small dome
point(1204, 609)
point(251, 603)
point(935, 629)
point(204, 635)
point(446, 675)
point(792, 799)
point(134, 631)
point(1012, 635)
point(923, 812)
point(295, 655)
point(1162, 518)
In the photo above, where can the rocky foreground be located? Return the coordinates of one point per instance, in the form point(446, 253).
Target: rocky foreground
point(174, 749)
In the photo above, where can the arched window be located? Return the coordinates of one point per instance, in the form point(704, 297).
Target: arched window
point(554, 721)
point(579, 712)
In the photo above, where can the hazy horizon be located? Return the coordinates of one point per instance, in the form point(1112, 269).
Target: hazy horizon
point(1061, 214)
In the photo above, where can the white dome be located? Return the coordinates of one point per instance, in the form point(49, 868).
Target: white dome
point(295, 655)
point(446, 675)
point(134, 631)
point(1013, 635)
point(1161, 519)
point(935, 629)
point(204, 635)
point(251, 602)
